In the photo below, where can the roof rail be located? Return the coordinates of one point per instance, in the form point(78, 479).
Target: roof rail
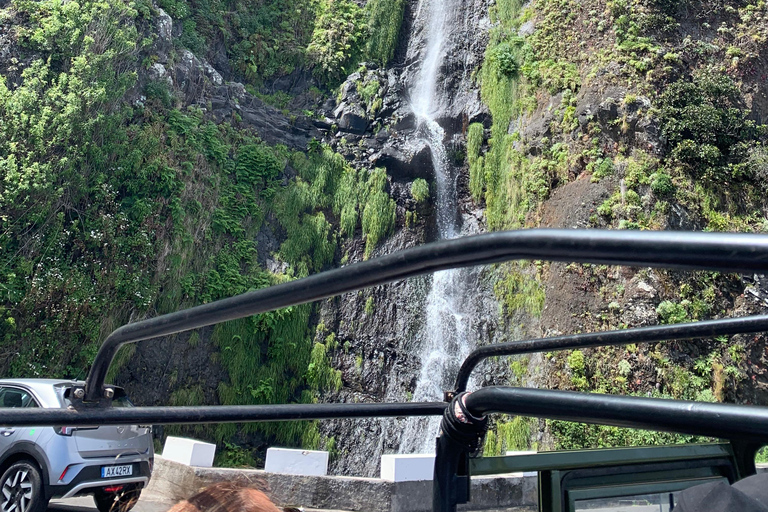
point(746, 427)
point(686, 331)
point(746, 253)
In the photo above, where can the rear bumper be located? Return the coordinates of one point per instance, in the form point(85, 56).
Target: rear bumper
point(87, 487)
point(89, 479)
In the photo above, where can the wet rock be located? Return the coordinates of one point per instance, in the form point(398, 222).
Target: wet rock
point(679, 219)
point(407, 165)
point(353, 122)
point(405, 123)
point(322, 124)
point(328, 107)
point(382, 135)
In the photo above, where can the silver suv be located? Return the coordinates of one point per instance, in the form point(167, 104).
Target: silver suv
point(39, 463)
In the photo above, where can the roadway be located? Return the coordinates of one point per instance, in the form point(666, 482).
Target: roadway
point(85, 504)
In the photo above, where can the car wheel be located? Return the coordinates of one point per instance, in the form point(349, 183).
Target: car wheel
point(120, 501)
point(21, 489)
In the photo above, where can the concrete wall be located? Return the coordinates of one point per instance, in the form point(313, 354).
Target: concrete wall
point(172, 482)
point(376, 495)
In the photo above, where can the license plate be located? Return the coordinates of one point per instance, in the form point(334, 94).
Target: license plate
point(113, 471)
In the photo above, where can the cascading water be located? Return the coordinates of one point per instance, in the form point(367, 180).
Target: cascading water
point(446, 330)
point(423, 327)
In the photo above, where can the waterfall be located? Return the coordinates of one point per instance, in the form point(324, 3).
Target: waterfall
point(446, 330)
point(429, 324)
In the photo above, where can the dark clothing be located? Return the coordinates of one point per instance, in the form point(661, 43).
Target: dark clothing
point(747, 495)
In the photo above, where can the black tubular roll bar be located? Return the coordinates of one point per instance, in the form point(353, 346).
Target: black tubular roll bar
point(671, 249)
point(39, 417)
point(465, 417)
point(687, 331)
point(745, 427)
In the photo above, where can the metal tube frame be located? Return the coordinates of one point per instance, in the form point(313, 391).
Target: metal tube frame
point(745, 426)
point(687, 331)
point(691, 251)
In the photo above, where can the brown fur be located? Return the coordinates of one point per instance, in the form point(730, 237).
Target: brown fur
point(227, 497)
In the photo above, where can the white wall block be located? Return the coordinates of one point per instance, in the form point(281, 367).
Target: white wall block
point(189, 451)
point(407, 467)
point(296, 462)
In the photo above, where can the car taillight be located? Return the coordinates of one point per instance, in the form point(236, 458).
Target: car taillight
point(63, 473)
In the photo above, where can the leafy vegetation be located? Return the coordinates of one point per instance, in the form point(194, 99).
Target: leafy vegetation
point(114, 212)
point(378, 212)
point(385, 18)
point(338, 39)
point(420, 190)
point(262, 40)
point(708, 129)
point(273, 38)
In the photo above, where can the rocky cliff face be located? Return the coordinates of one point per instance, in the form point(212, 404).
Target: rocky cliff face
point(200, 84)
point(383, 330)
point(379, 333)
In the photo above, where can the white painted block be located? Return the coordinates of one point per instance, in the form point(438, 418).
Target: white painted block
point(407, 467)
point(189, 451)
point(296, 462)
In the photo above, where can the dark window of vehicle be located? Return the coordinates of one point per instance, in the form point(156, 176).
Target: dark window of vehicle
point(14, 397)
point(121, 399)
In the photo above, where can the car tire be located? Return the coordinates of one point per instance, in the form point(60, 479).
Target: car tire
point(120, 501)
point(21, 488)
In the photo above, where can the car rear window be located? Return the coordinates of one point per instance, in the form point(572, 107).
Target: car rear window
point(15, 397)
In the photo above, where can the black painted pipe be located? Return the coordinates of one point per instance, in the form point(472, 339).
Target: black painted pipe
point(703, 329)
point(211, 414)
point(726, 421)
point(672, 249)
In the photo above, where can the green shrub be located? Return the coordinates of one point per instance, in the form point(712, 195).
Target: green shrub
point(385, 18)
point(705, 123)
point(508, 435)
point(518, 291)
point(234, 456)
point(379, 211)
point(504, 59)
point(338, 39)
point(368, 90)
point(603, 168)
point(578, 436)
point(420, 190)
point(320, 375)
point(578, 369)
point(661, 184)
point(672, 312)
point(475, 135)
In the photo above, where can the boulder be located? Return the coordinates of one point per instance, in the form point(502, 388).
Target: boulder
point(406, 164)
point(353, 121)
